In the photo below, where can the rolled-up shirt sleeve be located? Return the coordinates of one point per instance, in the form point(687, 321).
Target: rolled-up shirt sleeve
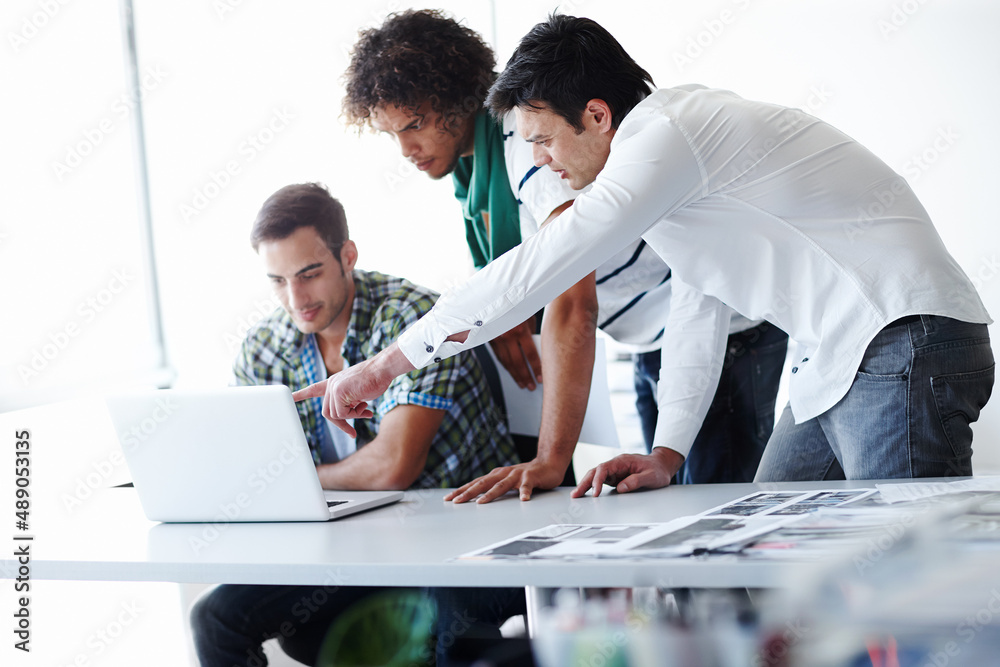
point(694, 348)
point(650, 173)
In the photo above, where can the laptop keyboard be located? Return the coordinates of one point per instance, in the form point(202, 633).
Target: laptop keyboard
point(332, 503)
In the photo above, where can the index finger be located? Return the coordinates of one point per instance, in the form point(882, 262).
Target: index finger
point(312, 391)
point(344, 426)
point(584, 485)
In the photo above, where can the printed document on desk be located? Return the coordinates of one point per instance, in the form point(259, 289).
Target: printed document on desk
point(728, 527)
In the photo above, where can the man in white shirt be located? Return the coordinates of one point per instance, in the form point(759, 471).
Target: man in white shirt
point(760, 210)
point(438, 69)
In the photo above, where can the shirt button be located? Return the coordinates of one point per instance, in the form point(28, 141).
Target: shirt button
point(805, 360)
point(795, 369)
point(479, 323)
point(430, 348)
point(437, 360)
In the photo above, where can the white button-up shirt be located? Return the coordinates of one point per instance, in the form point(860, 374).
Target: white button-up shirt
point(758, 209)
point(633, 286)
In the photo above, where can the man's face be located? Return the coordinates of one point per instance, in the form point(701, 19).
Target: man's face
point(313, 287)
point(422, 138)
point(577, 157)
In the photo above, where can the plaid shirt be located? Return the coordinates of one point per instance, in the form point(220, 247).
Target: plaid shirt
point(472, 439)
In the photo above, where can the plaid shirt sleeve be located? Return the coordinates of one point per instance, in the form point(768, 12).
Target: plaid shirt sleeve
point(473, 437)
point(430, 387)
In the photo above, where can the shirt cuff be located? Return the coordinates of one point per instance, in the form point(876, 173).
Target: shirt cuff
point(425, 342)
point(415, 398)
point(676, 430)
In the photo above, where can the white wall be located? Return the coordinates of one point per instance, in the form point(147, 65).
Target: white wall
point(916, 82)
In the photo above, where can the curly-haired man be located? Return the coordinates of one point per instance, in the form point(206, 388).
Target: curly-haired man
point(422, 78)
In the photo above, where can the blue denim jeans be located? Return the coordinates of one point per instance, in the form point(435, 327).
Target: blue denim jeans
point(922, 382)
point(741, 417)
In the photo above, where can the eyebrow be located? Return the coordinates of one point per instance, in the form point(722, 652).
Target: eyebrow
point(306, 269)
point(414, 119)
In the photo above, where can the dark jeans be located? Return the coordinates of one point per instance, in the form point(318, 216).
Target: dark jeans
point(739, 421)
point(469, 620)
point(230, 622)
point(922, 382)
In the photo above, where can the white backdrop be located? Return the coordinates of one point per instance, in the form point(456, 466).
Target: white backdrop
point(243, 97)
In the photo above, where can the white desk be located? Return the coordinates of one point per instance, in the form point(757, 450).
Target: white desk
point(410, 543)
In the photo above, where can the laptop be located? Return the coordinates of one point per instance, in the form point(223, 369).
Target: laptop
point(226, 455)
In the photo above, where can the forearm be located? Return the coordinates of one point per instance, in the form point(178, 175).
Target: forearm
point(390, 363)
point(394, 459)
point(568, 343)
point(371, 468)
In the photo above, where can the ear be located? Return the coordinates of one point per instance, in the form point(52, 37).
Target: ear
point(348, 255)
point(598, 115)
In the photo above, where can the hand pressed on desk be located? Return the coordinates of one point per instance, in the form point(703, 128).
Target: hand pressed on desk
point(629, 472)
point(525, 477)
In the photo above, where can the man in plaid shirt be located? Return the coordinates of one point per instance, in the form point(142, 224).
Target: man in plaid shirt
point(435, 427)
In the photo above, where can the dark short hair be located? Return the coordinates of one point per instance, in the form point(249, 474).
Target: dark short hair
point(416, 57)
point(563, 63)
point(301, 205)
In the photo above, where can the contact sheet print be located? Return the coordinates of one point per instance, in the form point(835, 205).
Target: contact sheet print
point(725, 528)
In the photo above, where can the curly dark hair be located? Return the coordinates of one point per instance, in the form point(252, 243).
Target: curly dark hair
point(418, 56)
